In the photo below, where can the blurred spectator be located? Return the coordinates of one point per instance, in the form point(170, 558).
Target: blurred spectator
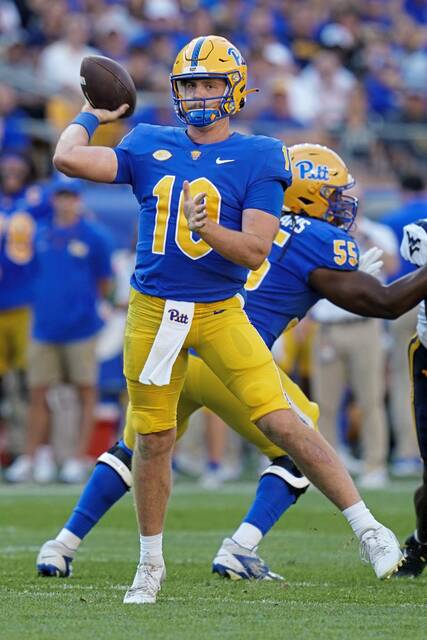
point(344, 32)
point(406, 455)
point(321, 93)
point(112, 32)
point(303, 20)
point(60, 61)
point(348, 353)
point(9, 16)
point(138, 64)
point(316, 46)
point(406, 142)
point(358, 139)
point(21, 202)
point(417, 9)
point(12, 121)
point(382, 79)
point(73, 273)
point(277, 113)
point(46, 22)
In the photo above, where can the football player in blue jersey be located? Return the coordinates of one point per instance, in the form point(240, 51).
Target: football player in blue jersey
point(312, 243)
point(210, 202)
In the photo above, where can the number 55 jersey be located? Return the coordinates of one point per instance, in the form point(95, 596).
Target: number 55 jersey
point(279, 293)
point(241, 172)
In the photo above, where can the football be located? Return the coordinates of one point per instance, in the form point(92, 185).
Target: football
point(106, 84)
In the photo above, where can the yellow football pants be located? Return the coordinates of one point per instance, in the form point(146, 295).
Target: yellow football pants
point(202, 388)
point(15, 328)
point(223, 336)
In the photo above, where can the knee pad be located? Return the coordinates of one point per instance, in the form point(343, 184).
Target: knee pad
point(286, 469)
point(120, 461)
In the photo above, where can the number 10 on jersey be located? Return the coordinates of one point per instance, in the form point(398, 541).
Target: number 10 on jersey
point(163, 191)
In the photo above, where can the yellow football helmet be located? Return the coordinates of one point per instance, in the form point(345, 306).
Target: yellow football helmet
point(209, 57)
point(319, 179)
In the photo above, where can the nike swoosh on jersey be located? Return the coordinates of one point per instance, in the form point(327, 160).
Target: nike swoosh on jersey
point(219, 161)
point(218, 311)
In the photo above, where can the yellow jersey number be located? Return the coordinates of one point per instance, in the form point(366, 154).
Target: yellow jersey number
point(345, 252)
point(194, 249)
point(19, 230)
point(255, 278)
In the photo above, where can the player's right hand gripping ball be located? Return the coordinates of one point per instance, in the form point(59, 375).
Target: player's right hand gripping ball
point(106, 84)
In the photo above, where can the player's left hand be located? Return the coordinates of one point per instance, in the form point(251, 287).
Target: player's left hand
point(370, 261)
point(194, 208)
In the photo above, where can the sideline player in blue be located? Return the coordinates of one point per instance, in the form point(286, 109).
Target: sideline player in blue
point(312, 244)
point(210, 202)
point(22, 203)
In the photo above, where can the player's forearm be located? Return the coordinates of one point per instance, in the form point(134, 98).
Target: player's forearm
point(246, 249)
point(393, 300)
point(405, 293)
point(74, 157)
point(67, 153)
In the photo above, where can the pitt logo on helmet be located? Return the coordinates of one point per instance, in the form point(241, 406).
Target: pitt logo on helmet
point(308, 170)
point(203, 58)
point(319, 179)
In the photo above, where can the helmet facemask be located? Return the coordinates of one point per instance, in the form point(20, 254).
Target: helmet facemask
point(204, 115)
point(342, 208)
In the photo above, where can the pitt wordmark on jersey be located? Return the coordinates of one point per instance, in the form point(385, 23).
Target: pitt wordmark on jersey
point(241, 172)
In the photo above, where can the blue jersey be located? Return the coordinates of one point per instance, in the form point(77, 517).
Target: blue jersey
point(70, 261)
point(279, 293)
point(239, 173)
point(18, 214)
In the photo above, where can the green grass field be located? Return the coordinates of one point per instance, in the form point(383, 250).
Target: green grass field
point(329, 593)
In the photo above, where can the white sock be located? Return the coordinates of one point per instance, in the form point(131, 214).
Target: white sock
point(69, 539)
point(151, 549)
point(247, 535)
point(360, 518)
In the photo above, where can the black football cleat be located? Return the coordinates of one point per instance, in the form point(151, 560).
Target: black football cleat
point(415, 558)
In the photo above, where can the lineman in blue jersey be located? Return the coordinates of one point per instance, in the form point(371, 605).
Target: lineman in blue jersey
point(313, 246)
point(233, 222)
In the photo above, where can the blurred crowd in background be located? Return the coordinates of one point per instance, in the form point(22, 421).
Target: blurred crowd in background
point(351, 75)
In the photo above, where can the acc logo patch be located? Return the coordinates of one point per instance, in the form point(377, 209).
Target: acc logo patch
point(162, 154)
point(78, 249)
point(309, 170)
